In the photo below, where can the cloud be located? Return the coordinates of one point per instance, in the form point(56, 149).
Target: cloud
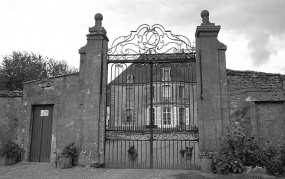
point(256, 20)
point(258, 49)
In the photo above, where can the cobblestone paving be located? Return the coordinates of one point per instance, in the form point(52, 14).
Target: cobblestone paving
point(47, 171)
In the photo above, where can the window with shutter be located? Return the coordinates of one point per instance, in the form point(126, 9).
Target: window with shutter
point(166, 74)
point(166, 92)
point(154, 116)
point(147, 116)
point(187, 116)
point(123, 117)
point(166, 115)
point(180, 91)
point(187, 91)
point(175, 116)
point(129, 116)
point(181, 116)
point(153, 93)
point(158, 116)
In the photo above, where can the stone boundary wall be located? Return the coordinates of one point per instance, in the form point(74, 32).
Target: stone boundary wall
point(11, 94)
point(11, 123)
point(253, 97)
point(62, 93)
point(252, 85)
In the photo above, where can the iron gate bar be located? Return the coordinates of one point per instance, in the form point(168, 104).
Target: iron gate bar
point(151, 116)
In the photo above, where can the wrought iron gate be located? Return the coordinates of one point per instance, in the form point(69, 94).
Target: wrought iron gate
point(152, 108)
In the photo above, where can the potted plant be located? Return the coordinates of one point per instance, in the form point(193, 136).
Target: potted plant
point(10, 153)
point(206, 160)
point(66, 158)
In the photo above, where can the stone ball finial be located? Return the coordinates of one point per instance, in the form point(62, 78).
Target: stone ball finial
point(98, 28)
point(98, 16)
point(205, 13)
point(205, 16)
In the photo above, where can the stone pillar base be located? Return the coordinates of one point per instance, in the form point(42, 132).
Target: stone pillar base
point(206, 165)
point(89, 160)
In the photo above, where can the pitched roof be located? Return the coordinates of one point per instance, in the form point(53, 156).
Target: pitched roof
point(182, 69)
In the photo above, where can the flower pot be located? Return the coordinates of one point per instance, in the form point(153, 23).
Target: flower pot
point(248, 169)
point(8, 160)
point(258, 170)
point(206, 165)
point(64, 161)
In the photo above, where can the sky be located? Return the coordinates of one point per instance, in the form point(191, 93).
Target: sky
point(253, 30)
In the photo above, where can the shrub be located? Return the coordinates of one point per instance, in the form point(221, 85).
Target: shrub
point(282, 151)
point(274, 161)
point(226, 162)
point(247, 150)
point(275, 167)
point(236, 152)
point(207, 154)
point(11, 149)
point(70, 149)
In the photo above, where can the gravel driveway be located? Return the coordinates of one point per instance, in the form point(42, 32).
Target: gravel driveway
point(45, 170)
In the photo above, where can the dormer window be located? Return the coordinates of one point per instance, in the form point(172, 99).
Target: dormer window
point(166, 74)
point(130, 78)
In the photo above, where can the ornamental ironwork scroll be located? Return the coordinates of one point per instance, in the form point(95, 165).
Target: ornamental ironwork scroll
point(148, 40)
point(158, 135)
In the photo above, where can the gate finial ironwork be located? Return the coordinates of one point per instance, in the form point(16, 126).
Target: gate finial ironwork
point(150, 40)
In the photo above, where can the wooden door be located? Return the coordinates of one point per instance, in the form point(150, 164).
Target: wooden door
point(41, 134)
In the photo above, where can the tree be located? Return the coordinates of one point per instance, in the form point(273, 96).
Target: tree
point(57, 68)
point(19, 67)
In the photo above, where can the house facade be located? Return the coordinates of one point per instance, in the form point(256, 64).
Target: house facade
point(172, 94)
